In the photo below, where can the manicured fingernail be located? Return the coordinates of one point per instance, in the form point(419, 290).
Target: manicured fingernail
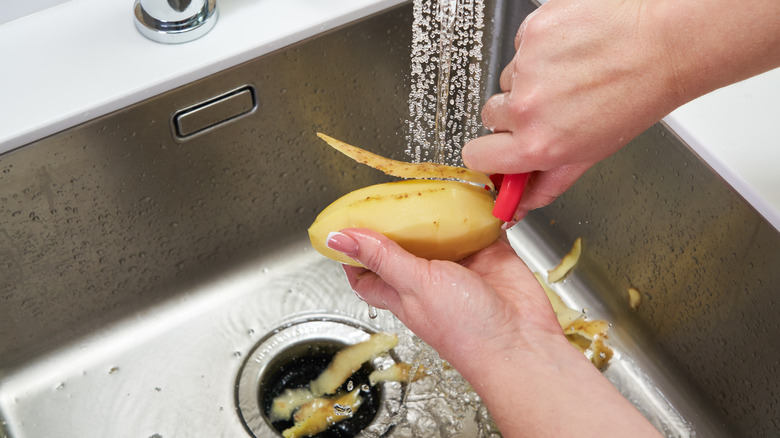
point(342, 243)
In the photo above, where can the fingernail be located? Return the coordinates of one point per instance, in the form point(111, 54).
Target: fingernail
point(342, 243)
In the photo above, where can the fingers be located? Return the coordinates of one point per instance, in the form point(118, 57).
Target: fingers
point(544, 187)
point(390, 268)
point(507, 76)
point(495, 115)
point(497, 153)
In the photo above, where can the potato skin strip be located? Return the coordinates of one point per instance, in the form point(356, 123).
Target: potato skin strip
point(588, 336)
point(283, 406)
point(349, 360)
point(398, 372)
point(634, 297)
point(406, 170)
point(567, 263)
point(319, 414)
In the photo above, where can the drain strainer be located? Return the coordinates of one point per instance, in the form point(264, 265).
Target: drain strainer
point(293, 355)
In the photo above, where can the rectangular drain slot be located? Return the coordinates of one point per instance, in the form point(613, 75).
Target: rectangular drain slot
point(214, 112)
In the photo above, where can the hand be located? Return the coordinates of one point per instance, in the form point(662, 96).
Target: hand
point(586, 79)
point(490, 319)
point(488, 301)
point(589, 76)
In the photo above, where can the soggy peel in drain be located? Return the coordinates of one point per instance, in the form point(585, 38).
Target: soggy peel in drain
point(397, 372)
point(349, 360)
point(310, 408)
point(321, 413)
point(283, 406)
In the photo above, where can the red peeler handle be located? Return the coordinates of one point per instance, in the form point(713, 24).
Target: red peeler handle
point(512, 187)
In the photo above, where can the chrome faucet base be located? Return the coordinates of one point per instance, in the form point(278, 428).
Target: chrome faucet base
point(165, 24)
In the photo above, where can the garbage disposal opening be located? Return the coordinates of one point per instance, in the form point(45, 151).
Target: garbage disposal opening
point(293, 355)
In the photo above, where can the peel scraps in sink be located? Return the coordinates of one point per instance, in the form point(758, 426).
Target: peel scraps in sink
point(588, 336)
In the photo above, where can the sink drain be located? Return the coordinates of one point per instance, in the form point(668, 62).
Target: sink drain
point(292, 356)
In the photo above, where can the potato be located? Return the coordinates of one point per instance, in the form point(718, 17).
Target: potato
point(433, 219)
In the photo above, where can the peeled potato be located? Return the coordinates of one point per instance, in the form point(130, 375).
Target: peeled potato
point(442, 220)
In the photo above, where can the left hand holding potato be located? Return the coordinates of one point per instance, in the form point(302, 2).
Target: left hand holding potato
point(489, 317)
point(448, 303)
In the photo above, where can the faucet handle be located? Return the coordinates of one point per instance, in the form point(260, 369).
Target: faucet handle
point(174, 21)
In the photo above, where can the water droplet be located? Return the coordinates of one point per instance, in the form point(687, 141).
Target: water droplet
point(372, 313)
point(342, 410)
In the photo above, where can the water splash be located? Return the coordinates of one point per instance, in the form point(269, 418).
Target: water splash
point(446, 79)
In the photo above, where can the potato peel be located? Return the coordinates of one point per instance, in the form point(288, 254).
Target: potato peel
point(588, 336)
point(349, 360)
point(283, 406)
point(398, 372)
point(406, 170)
point(567, 263)
point(321, 413)
point(634, 297)
point(565, 315)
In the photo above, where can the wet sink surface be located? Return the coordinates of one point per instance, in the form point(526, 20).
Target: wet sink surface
point(140, 269)
point(172, 370)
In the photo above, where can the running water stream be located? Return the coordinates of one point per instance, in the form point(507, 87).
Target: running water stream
point(444, 105)
point(446, 79)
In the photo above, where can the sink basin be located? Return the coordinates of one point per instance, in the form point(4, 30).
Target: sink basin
point(144, 264)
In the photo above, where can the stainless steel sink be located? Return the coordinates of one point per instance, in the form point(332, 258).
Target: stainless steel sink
point(143, 262)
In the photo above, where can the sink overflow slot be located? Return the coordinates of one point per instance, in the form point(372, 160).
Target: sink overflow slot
point(209, 114)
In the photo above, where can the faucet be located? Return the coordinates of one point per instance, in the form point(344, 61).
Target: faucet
point(174, 21)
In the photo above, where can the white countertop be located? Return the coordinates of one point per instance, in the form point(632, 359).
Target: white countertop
point(84, 58)
point(62, 66)
point(736, 130)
